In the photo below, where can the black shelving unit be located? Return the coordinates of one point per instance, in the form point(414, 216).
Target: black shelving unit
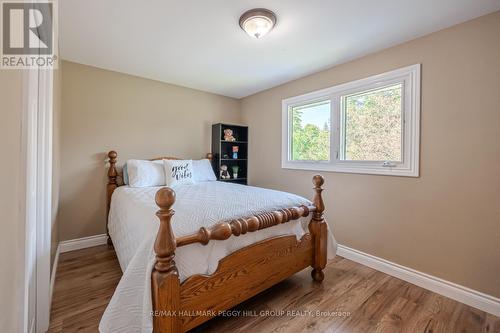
point(222, 151)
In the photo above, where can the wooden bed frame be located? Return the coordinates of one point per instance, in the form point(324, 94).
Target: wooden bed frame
point(179, 307)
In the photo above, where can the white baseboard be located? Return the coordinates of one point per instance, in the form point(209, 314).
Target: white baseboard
point(449, 289)
point(82, 243)
point(53, 273)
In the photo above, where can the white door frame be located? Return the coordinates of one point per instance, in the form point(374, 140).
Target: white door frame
point(37, 150)
point(28, 196)
point(44, 195)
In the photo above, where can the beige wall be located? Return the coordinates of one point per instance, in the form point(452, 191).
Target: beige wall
point(11, 181)
point(447, 221)
point(139, 118)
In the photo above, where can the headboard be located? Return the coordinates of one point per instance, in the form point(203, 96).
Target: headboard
point(113, 176)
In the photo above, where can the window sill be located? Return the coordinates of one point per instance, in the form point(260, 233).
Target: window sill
point(399, 171)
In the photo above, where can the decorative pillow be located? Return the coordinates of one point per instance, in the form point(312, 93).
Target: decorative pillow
point(125, 170)
point(145, 173)
point(178, 172)
point(202, 171)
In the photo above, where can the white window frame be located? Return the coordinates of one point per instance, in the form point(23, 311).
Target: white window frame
point(410, 78)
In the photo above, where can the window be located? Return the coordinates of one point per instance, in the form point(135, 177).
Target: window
point(311, 131)
point(372, 125)
point(366, 126)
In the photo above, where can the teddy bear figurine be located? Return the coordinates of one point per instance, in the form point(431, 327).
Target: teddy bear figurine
point(224, 174)
point(228, 135)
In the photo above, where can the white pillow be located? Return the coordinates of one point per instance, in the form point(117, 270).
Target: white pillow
point(202, 171)
point(145, 173)
point(178, 172)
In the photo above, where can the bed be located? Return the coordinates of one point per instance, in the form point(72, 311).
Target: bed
point(227, 241)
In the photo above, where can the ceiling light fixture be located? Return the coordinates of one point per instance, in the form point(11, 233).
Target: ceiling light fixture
point(257, 22)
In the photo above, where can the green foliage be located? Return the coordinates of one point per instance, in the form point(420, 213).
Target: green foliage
point(373, 129)
point(373, 125)
point(309, 142)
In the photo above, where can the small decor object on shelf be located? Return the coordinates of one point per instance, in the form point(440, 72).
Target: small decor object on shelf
point(224, 174)
point(228, 135)
point(225, 156)
point(235, 152)
point(235, 171)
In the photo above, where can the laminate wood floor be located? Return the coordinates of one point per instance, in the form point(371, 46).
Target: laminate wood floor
point(352, 298)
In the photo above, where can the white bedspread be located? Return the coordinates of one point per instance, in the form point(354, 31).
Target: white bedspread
point(133, 226)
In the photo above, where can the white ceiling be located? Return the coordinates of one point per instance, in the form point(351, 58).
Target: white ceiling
point(199, 44)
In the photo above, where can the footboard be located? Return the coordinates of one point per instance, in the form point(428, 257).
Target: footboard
point(241, 275)
point(179, 307)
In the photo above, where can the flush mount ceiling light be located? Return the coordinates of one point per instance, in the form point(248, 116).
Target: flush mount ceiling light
point(257, 22)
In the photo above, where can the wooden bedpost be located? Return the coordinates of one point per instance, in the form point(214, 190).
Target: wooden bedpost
point(165, 277)
point(210, 156)
point(318, 230)
point(112, 185)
